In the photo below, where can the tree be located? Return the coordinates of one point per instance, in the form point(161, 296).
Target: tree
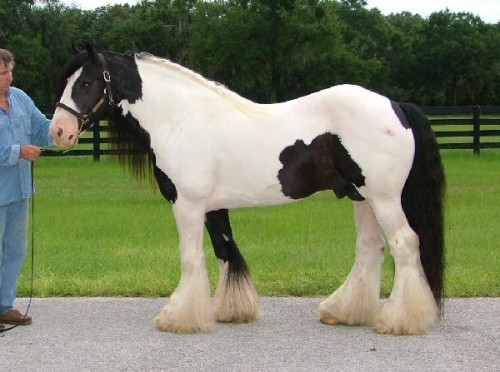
point(404, 31)
point(31, 58)
point(268, 51)
point(453, 57)
point(365, 39)
point(15, 16)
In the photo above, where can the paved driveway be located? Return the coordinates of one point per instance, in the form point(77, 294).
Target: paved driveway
point(117, 334)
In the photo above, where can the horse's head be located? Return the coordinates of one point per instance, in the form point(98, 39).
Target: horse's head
point(85, 96)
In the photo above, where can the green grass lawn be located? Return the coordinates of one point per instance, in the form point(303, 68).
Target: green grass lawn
point(100, 233)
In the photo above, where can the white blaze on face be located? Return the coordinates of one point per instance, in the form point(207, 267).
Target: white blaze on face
point(64, 125)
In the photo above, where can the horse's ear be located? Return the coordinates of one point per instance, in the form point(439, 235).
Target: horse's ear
point(93, 56)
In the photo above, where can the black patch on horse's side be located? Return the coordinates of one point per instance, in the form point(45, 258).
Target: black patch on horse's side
point(400, 114)
point(325, 164)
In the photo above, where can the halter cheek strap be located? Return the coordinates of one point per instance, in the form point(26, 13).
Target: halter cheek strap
point(85, 119)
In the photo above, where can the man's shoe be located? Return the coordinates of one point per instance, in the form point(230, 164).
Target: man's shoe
point(13, 316)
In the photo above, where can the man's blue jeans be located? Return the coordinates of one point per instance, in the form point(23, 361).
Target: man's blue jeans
point(14, 240)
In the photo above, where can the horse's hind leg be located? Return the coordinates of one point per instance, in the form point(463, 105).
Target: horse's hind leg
point(235, 298)
point(189, 308)
point(357, 300)
point(411, 307)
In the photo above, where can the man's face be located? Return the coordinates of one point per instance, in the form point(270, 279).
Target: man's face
point(6, 77)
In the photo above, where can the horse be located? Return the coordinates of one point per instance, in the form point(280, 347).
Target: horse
point(211, 150)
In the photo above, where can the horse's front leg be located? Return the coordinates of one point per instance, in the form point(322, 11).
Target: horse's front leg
point(189, 309)
point(236, 299)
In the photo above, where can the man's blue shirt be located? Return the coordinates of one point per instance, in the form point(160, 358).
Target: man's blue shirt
point(23, 124)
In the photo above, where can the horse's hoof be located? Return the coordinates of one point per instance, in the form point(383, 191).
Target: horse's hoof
point(401, 330)
point(165, 323)
point(398, 323)
point(327, 318)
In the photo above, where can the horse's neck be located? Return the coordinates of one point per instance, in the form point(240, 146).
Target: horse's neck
point(172, 94)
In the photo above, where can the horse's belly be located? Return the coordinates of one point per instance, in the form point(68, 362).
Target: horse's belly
point(248, 189)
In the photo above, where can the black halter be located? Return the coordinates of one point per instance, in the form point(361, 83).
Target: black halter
point(107, 97)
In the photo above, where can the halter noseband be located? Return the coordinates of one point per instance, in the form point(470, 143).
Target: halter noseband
point(85, 119)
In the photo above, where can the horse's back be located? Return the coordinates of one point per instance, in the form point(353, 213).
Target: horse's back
point(349, 111)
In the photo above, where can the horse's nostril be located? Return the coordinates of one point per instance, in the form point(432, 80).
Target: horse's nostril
point(71, 137)
point(59, 132)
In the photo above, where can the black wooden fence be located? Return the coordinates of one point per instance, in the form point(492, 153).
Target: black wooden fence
point(456, 127)
point(465, 127)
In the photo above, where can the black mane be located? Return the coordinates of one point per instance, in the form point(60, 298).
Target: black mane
point(128, 139)
point(131, 143)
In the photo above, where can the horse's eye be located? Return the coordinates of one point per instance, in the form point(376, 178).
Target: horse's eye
point(85, 84)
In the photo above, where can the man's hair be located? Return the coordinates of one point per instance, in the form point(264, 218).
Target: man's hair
point(6, 57)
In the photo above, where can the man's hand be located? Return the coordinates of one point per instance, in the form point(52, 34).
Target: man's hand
point(30, 152)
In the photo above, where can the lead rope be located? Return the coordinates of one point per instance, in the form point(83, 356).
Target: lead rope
point(32, 271)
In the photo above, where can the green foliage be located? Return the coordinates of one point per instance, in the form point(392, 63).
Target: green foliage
point(267, 53)
point(267, 50)
point(459, 58)
point(32, 65)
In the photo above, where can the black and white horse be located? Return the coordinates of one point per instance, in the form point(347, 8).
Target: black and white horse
point(212, 150)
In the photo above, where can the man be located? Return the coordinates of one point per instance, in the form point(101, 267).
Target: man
point(23, 129)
